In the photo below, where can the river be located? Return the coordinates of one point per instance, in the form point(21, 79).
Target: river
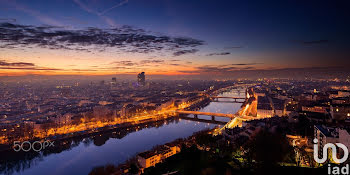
point(85, 154)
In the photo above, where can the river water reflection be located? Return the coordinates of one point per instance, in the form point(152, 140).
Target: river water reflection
point(84, 155)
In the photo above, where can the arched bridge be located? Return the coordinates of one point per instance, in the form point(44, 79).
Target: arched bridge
point(231, 116)
point(236, 98)
point(208, 113)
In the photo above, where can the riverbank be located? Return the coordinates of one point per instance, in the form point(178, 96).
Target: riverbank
point(11, 159)
point(113, 147)
point(123, 124)
point(134, 166)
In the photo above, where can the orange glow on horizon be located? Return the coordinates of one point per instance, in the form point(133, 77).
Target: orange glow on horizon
point(86, 73)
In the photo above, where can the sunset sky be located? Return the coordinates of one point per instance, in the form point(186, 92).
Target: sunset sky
point(170, 37)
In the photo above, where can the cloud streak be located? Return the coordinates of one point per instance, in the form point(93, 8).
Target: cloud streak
point(106, 19)
point(219, 54)
point(36, 14)
point(113, 7)
point(183, 52)
point(29, 68)
point(129, 63)
point(234, 47)
point(217, 69)
point(125, 38)
point(245, 64)
point(151, 61)
point(22, 66)
point(86, 8)
point(4, 63)
point(220, 69)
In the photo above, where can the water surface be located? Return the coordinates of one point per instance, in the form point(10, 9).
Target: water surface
point(85, 155)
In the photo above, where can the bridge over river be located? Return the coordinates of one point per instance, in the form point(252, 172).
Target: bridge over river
point(213, 114)
point(230, 99)
point(236, 98)
point(207, 113)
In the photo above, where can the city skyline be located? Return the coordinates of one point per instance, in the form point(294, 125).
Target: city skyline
point(127, 37)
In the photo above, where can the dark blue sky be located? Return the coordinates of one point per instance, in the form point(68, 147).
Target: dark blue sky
point(272, 33)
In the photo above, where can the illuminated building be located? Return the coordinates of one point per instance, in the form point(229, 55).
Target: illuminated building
point(64, 119)
point(313, 108)
point(141, 78)
point(340, 111)
point(148, 159)
point(264, 108)
point(128, 110)
point(341, 100)
point(114, 81)
point(151, 158)
point(337, 94)
point(325, 135)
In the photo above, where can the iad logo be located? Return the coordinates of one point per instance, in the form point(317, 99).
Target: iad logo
point(335, 170)
point(334, 152)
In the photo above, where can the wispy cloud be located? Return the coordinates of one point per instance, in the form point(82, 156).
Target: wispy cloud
point(84, 70)
point(84, 7)
point(22, 66)
point(244, 64)
point(221, 69)
point(125, 38)
point(125, 63)
point(109, 21)
point(5, 63)
point(218, 54)
point(113, 7)
point(218, 69)
point(44, 18)
point(106, 19)
point(29, 68)
point(234, 47)
point(183, 52)
point(151, 61)
point(137, 63)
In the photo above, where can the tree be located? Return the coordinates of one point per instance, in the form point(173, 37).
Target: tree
point(134, 169)
point(268, 149)
point(103, 170)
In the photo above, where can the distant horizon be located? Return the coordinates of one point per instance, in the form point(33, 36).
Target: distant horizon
point(290, 73)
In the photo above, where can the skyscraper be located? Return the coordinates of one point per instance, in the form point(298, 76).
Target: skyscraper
point(141, 79)
point(114, 81)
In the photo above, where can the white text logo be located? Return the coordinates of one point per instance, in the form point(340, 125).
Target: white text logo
point(334, 152)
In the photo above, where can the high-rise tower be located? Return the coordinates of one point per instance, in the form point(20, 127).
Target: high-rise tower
point(141, 78)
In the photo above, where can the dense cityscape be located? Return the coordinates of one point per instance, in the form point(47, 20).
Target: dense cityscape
point(31, 110)
point(289, 113)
